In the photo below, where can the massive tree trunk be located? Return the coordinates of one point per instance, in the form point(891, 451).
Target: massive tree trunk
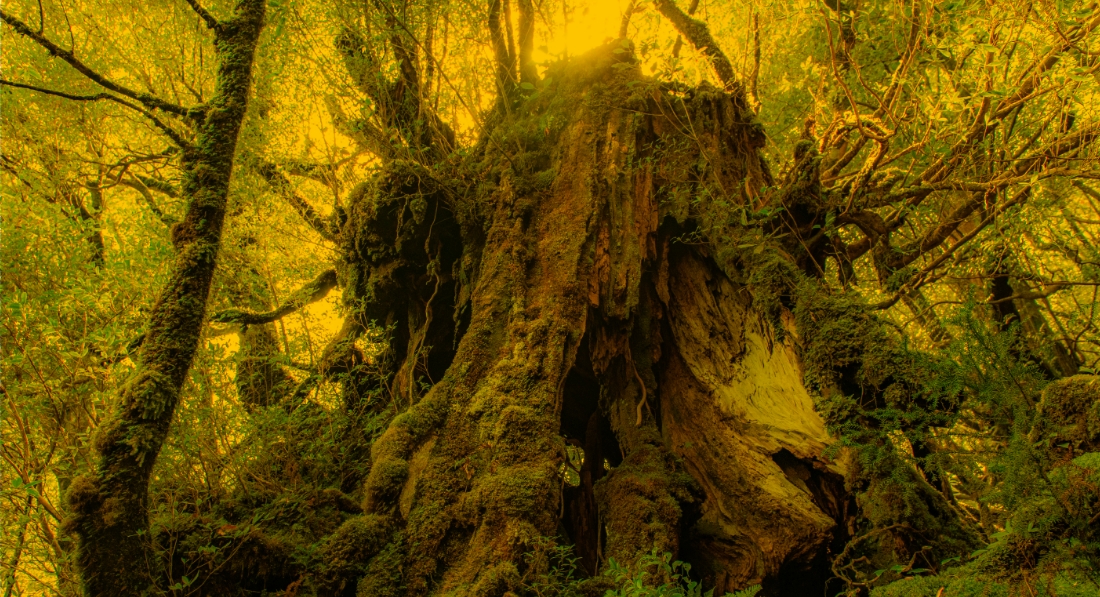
point(570, 259)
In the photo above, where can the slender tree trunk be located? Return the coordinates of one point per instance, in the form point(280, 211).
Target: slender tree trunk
point(109, 509)
point(12, 564)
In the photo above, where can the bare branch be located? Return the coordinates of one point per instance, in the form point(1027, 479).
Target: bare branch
point(1048, 289)
point(983, 126)
point(138, 185)
point(148, 100)
point(1023, 170)
point(1045, 64)
point(941, 232)
point(919, 279)
point(892, 93)
point(206, 17)
point(161, 186)
point(168, 131)
point(368, 136)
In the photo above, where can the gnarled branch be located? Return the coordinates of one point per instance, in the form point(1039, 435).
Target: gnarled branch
point(398, 103)
point(206, 17)
point(315, 290)
point(279, 182)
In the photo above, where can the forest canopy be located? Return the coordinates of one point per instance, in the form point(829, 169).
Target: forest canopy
point(550, 298)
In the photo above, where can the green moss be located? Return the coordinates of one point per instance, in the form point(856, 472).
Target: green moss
point(386, 478)
point(640, 503)
point(930, 586)
point(522, 434)
point(1071, 412)
point(383, 575)
point(344, 555)
point(520, 491)
point(497, 579)
point(921, 513)
point(994, 573)
point(83, 496)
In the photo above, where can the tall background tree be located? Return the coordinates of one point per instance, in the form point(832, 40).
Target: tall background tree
point(800, 293)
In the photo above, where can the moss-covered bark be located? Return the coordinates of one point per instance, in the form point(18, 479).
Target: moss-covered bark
point(109, 509)
point(581, 319)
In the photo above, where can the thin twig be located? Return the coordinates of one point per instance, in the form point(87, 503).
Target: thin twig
point(270, 172)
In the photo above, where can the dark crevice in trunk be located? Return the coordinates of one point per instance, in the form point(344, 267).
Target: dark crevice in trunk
point(580, 397)
point(583, 425)
point(827, 492)
point(582, 519)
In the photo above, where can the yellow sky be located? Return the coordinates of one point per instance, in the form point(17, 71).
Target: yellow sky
point(590, 25)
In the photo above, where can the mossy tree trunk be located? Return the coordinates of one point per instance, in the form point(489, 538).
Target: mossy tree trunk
point(589, 311)
point(109, 510)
